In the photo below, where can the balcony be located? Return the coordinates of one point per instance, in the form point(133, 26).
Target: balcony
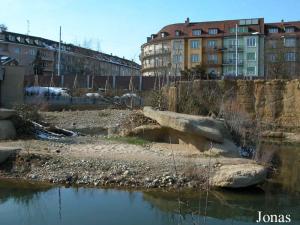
point(213, 62)
point(150, 67)
point(47, 58)
point(212, 49)
point(232, 62)
point(232, 48)
point(155, 53)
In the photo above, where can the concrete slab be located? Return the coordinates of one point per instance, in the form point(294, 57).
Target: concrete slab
point(7, 130)
point(6, 152)
point(6, 113)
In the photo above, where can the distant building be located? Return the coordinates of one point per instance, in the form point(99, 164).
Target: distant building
point(282, 50)
point(215, 46)
point(40, 55)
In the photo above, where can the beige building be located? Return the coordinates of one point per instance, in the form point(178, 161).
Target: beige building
point(40, 56)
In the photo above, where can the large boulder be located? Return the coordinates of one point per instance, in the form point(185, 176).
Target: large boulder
point(7, 130)
point(6, 152)
point(238, 176)
point(187, 124)
point(6, 113)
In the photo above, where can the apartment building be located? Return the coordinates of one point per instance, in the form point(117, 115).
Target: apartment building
point(282, 48)
point(223, 48)
point(32, 52)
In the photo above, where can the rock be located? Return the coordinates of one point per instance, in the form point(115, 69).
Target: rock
point(6, 152)
point(149, 132)
point(7, 130)
point(33, 176)
point(189, 124)
point(238, 176)
point(6, 113)
point(126, 172)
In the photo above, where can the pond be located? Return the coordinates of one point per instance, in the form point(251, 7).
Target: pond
point(36, 204)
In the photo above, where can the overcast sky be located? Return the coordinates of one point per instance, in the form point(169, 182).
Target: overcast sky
point(121, 26)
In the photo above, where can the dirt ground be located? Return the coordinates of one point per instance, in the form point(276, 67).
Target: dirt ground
point(95, 159)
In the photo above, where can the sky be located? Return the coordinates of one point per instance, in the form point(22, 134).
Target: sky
point(120, 27)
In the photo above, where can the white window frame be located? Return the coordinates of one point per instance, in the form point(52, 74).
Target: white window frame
point(273, 30)
point(195, 58)
point(288, 44)
point(195, 44)
point(289, 29)
point(290, 57)
point(196, 32)
point(212, 41)
point(212, 31)
point(251, 42)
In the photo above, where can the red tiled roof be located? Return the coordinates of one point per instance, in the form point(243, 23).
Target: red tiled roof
point(281, 26)
point(222, 26)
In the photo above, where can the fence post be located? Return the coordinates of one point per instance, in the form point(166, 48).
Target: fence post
point(114, 82)
point(141, 82)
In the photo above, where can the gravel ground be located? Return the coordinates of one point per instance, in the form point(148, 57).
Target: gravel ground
point(77, 120)
point(97, 160)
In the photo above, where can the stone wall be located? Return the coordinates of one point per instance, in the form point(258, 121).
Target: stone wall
point(273, 101)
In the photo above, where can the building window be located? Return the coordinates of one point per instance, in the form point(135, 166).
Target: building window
point(177, 33)
point(232, 43)
point(177, 45)
point(177, 59)
point(212, 31)
point(163, 34)
point(212, 43)
point(17, 50)
point(195, 44)
point(290, 56)
point(212, 59)
point(11, 38)
point(272, 58)
point(251, 56)
point(240, 30)
point(251, 42)
point(195, 58)
point(251, 70)
point(290, 29)
point(290, 42)
point(273, 30)
point(196, 32)
point(31, 52)
point(273, 43)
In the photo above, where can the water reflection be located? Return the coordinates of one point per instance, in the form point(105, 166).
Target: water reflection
point(286, 160)
point(226, 205)
point(32, 204)
point(35, 205)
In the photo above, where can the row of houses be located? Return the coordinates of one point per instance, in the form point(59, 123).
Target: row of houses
point(245, 47)
point(40, 56)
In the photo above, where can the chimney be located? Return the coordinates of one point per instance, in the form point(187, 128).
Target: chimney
point(187, 21)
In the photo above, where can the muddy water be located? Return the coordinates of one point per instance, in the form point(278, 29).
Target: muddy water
point(33, 204)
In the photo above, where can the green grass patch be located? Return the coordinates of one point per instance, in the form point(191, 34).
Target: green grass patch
point(129, 140)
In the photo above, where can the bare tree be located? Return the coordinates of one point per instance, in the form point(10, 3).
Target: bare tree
point(275, 61)
point(3, 27)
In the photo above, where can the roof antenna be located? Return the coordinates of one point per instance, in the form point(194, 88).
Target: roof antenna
point(28, 27)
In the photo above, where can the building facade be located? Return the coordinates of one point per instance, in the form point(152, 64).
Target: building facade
point(282, 50)
point(224, 48)
point(40, 56)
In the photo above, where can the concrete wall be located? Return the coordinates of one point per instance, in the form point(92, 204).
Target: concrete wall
point(12, 87)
